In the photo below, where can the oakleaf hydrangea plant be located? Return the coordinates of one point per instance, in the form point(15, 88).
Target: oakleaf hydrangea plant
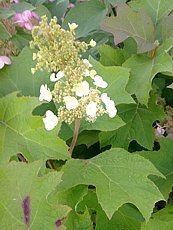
point(77, 85)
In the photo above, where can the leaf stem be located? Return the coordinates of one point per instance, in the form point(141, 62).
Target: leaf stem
point(76, 131)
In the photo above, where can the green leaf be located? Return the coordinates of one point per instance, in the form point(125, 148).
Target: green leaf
point(4, 34)
point(24, 194)
point(117, 78)
point(156, 9)
point(117, 176)
point(103, 123)
point(129, 23)
point(21, 79)
point(163, 161)
point(112, 56)
point(144, 69)
point(71, 198)
point(127, 216)
point(88, 137)
point(162, 219)
point(114, 2)
point(164, 28)
point(58, 8)
point(137, 118)
point(87, 15)
point(22, 132)
point(22, 6)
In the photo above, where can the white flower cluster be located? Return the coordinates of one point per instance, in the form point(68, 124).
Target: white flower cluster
point(81, 95)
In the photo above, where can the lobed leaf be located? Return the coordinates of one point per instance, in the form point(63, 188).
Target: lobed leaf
point(122, 176)
point(129, 23)
point(24, 203)
point(22, 132)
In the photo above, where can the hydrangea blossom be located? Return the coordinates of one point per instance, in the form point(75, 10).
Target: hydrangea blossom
point(91, 109)
point(55, 77)
point(70, 102)
point(50, 121)
point(45, 93)
point(76, 90)
point(26, 20)
point(4, 60)
point(98, 81)
point(81, 89)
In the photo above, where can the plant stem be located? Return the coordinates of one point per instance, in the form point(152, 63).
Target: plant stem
point(52, 164)
point(76, 131)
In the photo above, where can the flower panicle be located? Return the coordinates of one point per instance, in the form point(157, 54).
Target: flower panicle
point(77, 85)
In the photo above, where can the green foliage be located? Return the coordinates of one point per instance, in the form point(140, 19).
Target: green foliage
point(119, 174)
point(128, 24)
point(21, 183)
point(87, 15)
point(21, 79)
point(143, 70)
point(25, 133)
point(137, 118)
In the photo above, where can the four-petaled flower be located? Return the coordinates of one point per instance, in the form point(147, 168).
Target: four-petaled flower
point(45, 93)
point(71, 102)
point(50, 121)
point(27, 19)
point(91, 109)
point(98, 81)
point(81, 89)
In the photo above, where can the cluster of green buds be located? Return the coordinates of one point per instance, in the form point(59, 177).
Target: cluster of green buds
point(76, 91)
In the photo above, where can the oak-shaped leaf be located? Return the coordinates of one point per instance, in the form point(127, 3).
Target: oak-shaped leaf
point(24, 204)
point(72, 197)
point(119, 178)
point(127, 216)
point(129, 23)
point(22, 132)
point(157, 10)
point(144, 69)
point(163, 161)
point(18, 76)
point(162, 219)
point(117, 78)
point(139, 120)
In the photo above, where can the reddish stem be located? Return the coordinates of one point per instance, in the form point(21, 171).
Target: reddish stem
point(76, 131)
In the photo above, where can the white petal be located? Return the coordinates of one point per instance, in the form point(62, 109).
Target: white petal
point(85, 61)
point(1, 64)
point(91, 109)
point(70, 102)
point(111, 109)
point(81, 89)
point(50, 121)
point(87, 73)
point(92, 73)
point(59, 75)
point(98, 81)
point(45, 93)
point(105, 98)
point(72, 26)
point(92, 43)
point(55, 77)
